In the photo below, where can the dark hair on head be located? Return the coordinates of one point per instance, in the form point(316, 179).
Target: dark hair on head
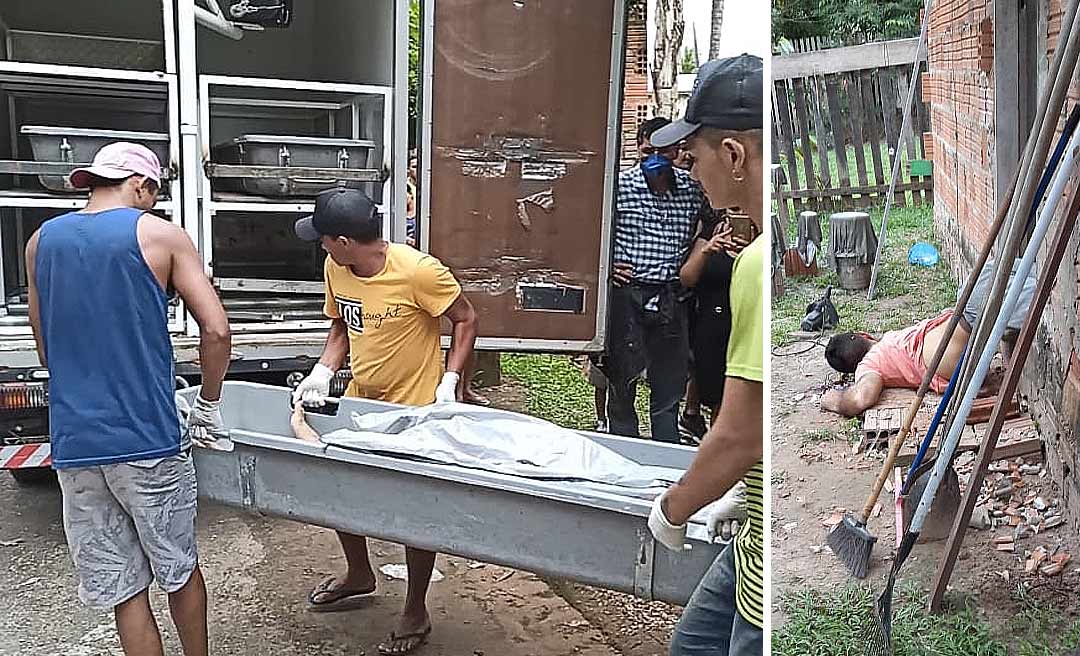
point(96, 182)
point(846, 350)
point(365, 230)
point(646, 129)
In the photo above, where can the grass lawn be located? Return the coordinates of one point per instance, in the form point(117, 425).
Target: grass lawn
point(558, 391)
point(837, 623)
point(905, 293)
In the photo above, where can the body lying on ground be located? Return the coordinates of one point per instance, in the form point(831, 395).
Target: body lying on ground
point(900, 358)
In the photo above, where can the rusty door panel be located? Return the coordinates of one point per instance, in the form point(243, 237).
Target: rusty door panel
point(521, 104)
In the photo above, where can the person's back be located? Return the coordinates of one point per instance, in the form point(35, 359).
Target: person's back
point(901, 357)
point(97, 282)
point(104, 319)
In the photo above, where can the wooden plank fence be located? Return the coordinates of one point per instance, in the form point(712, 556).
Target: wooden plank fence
point(836, 123)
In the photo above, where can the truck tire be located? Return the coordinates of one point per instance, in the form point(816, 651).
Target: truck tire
point(35, 476)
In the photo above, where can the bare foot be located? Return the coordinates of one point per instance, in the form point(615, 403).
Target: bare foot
point(410, 634)
point(301, 429)
point(469, 395)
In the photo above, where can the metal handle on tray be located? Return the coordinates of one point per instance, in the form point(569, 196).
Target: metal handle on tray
point(67, 153)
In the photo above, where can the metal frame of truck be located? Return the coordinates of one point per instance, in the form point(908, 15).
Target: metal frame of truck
point(262, 351)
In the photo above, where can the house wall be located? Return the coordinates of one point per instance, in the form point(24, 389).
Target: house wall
point(960, 90)
point(637, 104)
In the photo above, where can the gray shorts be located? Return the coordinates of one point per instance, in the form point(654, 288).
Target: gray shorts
point(129, 524)
point(980, 295)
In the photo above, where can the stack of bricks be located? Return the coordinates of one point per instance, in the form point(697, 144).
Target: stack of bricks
point(959, 89)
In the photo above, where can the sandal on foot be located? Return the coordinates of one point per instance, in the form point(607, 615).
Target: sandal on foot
point(404, 643)
point(324, 599)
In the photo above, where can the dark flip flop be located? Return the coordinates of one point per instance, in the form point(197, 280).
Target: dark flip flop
point(419, 639)
point(336, 600)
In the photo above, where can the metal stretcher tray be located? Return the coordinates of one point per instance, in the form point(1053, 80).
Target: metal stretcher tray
point(554, 527)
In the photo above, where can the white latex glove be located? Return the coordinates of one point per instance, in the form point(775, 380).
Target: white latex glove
point(204, 423)
point(446, 392)
point(671, 536)
point(725, 515)
point(314, 389)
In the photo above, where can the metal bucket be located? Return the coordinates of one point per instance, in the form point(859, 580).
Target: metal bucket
point(853, 274)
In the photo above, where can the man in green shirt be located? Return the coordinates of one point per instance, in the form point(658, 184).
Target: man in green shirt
point(723, 133)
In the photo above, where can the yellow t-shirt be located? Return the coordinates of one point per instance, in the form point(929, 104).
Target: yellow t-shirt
point(393, 322)
point(744, 360)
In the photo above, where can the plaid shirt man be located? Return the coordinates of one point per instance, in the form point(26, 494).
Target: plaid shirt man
point(653, 232)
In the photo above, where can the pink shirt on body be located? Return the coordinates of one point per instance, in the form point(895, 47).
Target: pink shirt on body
point(898, 357)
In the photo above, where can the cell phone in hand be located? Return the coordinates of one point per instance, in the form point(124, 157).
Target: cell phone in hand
point(742, 227)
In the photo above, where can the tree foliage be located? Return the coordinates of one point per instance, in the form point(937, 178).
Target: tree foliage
point(414, 57)
point(846, 21)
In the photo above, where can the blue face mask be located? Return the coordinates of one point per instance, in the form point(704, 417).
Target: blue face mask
point(656, 165)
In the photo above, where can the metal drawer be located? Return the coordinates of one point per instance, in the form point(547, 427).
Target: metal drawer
point(283, 150)
point(79, 145)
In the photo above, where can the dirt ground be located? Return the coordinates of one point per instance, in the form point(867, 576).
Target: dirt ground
point(816, 475)
point(259, 572)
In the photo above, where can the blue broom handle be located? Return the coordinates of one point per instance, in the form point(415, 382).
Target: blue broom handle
point(925, 446)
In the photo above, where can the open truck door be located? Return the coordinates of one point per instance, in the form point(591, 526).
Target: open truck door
point(519, 155)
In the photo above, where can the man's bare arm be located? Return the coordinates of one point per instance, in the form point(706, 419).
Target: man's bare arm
point(731, 447)
point(32, 293)
point(215, 338)
point(856, 399)
point(337, 346)
point(462, 316)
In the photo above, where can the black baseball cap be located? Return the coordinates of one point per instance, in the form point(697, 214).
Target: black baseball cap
point(338, 211)
point(727, 95)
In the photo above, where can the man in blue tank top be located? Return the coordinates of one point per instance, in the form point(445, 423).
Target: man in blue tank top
point(99, 282)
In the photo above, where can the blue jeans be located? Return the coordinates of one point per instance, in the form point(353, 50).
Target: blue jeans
point(710, 625)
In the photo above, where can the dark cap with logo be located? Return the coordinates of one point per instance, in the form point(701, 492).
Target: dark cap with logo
point(727, 95)
point(341, 212)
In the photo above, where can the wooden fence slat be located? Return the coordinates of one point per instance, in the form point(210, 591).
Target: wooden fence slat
point(783, 210)
point(799, 89)
point(832, 95)
point(820, 133)
point(787, 135)
point(887, 99)
point(914, 135)
point(870, 116)
point(854, 95)
point(776, 173)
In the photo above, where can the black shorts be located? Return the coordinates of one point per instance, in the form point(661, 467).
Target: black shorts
point(710, 357)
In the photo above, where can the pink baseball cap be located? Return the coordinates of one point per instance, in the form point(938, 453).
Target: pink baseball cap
point(117, 161)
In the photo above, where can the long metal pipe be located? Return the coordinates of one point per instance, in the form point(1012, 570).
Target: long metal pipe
point(1046, 218)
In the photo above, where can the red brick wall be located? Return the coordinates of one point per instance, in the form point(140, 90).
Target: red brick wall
point(959, 89)
point(1049, 386)
point(637, 104)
